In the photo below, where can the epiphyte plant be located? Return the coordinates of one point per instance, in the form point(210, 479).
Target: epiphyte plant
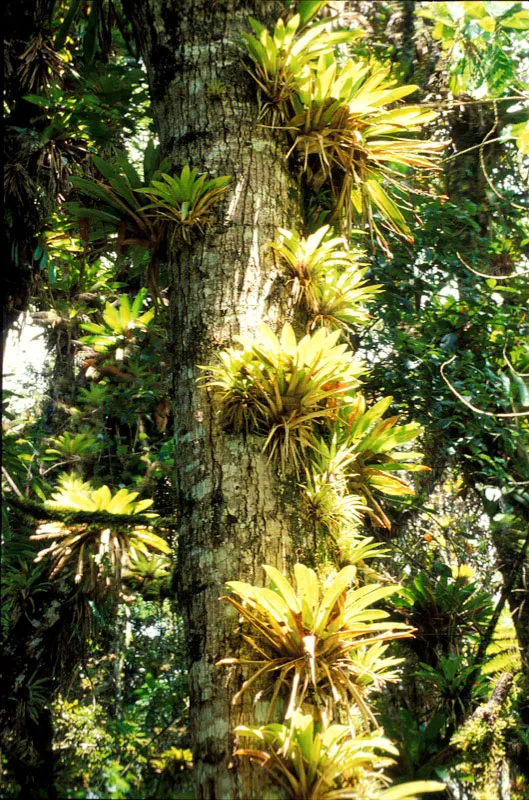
point(338, 120)
point(95, 549)
point(362, 451)
point(278, 58)
point(312, 761)
point(183, 203)
point(184, 200)
point(278, 387)
point(327, 277)
point(317, 638)
point(119, 323)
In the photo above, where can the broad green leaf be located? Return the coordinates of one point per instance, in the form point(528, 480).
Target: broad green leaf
point(518, 21)
point(338, 585)
point(488, 24)
point(284, 587)
point(410, 791)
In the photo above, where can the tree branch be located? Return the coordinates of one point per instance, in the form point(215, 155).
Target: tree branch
point(69, 517)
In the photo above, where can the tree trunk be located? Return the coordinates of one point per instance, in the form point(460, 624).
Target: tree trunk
point(234, 512)
point(64, 383)
point(514, 566)
point(25, 193)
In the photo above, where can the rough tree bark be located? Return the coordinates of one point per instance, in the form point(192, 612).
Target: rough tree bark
point(235, 512)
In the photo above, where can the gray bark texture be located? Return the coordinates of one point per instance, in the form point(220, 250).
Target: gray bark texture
point(235, 511)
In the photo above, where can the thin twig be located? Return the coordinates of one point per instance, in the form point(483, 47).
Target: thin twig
point(482, 160)
point(469, 149)
point(11, 482)
point(520, 374)
point(59, 464)
point(499, 415)
point(452, 103)
point(493, 277)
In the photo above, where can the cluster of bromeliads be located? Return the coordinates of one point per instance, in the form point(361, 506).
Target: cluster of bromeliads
point(322, 648)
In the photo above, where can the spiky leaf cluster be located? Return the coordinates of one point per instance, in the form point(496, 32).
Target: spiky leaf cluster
point(312, 762)
point(120, 323)
point(92, 551)
point(361, 453)
point(185, 201)
point(278, 58)
point(446, 610)
point(317, 639)
point(327, 277)
point(302, 396)
point(74, 446)
point(278, 387)
point(182, 202)
point(342, 124)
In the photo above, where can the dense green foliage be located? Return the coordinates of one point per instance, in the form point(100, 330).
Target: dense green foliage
point(421, 308)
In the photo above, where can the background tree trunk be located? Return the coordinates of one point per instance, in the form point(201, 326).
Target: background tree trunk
point(26, 194)
point(234, 513)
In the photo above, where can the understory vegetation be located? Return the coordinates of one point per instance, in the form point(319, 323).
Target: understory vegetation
point(390, 660)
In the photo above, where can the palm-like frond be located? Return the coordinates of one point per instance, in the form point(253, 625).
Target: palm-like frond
point(118, 206)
